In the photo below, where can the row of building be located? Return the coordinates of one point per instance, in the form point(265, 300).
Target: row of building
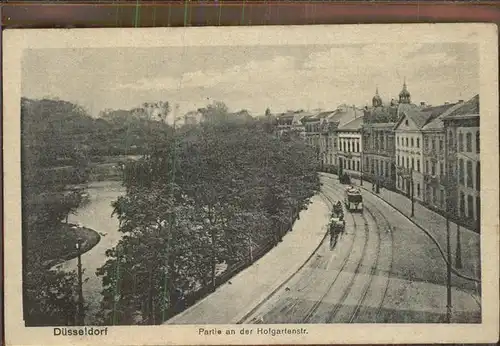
point(429, 153)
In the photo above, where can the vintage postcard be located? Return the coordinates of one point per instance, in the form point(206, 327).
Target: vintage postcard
point(251, 185)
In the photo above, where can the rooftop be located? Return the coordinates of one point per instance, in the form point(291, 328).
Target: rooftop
point(468, 108)
point(423, 116)
point(437, 123)
point(353, 125)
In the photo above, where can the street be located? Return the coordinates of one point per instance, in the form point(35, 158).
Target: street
point(383, 269)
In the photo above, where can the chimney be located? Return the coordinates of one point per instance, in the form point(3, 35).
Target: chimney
point(422, 103)
point(446, 103)
point(460, 101)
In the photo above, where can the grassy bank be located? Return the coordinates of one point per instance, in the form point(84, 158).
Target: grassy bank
point(62, 244)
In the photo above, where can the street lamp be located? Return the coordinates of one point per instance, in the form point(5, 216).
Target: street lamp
point(412, 193)
point(361, 166)
point(81, 313)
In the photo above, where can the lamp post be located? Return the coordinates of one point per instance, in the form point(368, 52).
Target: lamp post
point(361, 166)
point(412, 193)
point(458, 252)
point(81, 313)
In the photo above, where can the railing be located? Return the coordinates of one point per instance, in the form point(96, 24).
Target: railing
point(192, 297)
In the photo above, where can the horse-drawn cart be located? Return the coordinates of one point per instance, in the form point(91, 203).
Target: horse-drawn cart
point(337, 223)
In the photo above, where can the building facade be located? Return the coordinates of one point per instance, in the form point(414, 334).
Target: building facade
point(461, 128)
point(338, 118)
point(379, 143)
point(420, 153)
point(290, 123)
point(350, 146)
point(434, 161)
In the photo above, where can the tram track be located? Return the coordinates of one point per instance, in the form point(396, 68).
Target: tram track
point(248, 317)
point(289, 309)
point(373, 269)
point(347, 290)
point(388, 226)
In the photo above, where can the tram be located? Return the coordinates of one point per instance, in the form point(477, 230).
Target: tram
point(352, 199)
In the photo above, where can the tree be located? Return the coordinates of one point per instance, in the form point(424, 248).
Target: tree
point(202, 196)
point(47, 125)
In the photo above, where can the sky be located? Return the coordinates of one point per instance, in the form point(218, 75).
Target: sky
point(252, 77)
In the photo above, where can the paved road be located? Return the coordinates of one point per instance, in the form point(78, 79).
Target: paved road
point(383, 269)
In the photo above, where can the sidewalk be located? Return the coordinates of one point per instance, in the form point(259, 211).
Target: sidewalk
point(435, 224)
point(232, 301)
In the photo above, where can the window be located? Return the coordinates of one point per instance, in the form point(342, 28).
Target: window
point(357, 165)
point(418, 142)
point(468, 137)
point(434, 195)
point(426, 143)
point(433, 168)
point(412, 142)
point(349, 147)
point(441, 169)
point(433, 144)
point(477, 142)
point(412, 163)
point(470, 207)
point(406, 123)
point(461, 172)
point(462, 204)
point(450, 139)
point(398, 160)
point(440, 145)
point(460, 142)
point(349, 165)
point(387, 169)
point(426, 166)
point(407, 162)
point(367, 163)
point(406, 140)
point(441, 197)
point(469, 174)
point(478, 176)
point(397, 139)
point(418, 165)
point(418, 189)
point(357, 146)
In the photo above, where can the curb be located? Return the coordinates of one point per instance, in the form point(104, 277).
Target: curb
point(454, 270)
point(248, 314)
point(87, 245)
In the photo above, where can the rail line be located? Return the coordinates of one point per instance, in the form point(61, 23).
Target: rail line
point(373, 270)
point(335, 193)
point(252, 311)
point(389, 273)
point(347, 290)
point(344, 263)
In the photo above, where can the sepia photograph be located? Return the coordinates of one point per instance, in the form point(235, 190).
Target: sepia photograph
point(246, 179)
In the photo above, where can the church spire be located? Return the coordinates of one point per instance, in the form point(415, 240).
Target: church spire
point(404, 95)
point(376, 100)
